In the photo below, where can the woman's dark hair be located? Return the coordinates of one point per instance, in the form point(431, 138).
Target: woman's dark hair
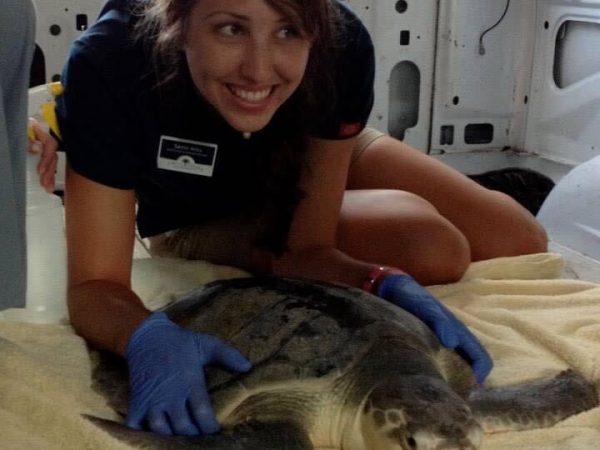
point(164, 22)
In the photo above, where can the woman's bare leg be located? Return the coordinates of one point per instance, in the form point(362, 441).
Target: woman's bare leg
point(493, 223)
point(400, 229)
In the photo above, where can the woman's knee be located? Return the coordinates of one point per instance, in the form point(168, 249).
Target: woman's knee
point(441, 253)
point(403, 230)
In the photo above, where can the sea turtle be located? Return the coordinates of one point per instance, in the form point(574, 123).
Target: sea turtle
point(337, 368)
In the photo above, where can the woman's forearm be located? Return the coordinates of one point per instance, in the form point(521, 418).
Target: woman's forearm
point(105, 313)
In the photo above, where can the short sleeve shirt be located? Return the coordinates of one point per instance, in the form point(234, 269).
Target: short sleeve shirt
point(186, 164)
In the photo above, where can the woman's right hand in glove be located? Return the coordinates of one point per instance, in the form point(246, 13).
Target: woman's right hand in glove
point(167, 388)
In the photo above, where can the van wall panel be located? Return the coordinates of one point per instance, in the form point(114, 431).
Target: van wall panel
point(564, 123)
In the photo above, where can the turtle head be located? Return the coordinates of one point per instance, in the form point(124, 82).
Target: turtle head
point(419, 413)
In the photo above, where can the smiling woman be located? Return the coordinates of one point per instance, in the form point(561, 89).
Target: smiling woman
point(172, 21)
point(224, 130)
point(245, 59)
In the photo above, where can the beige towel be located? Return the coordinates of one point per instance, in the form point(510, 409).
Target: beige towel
point(533, 323)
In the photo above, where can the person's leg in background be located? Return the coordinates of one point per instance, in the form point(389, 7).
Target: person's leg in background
point(17, 30)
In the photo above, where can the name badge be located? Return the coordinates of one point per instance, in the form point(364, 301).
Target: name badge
point(185, 156)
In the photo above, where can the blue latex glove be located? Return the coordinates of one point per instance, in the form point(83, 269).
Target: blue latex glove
point(402, 290)
point(168, 393)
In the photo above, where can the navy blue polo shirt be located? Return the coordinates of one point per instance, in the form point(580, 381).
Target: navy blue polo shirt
point(186, 164)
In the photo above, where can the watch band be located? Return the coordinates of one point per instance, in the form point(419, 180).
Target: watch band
point(376, 275)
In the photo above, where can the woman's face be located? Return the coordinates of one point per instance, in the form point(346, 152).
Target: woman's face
point(245, 58)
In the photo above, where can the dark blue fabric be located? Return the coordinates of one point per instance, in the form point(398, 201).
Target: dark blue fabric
point(112, 116)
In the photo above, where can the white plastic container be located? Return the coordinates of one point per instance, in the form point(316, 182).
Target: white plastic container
point(571, 212)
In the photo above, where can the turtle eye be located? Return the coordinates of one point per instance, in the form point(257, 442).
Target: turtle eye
point(411, 442)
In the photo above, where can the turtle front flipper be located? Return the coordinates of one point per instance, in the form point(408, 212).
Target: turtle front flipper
point(246, 436)
point(537, 404)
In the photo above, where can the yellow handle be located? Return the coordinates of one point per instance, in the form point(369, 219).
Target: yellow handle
point(49, 116)
point(48, 112)
point(55, 88)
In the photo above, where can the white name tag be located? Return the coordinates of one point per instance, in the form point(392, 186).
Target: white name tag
point(182, 155)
